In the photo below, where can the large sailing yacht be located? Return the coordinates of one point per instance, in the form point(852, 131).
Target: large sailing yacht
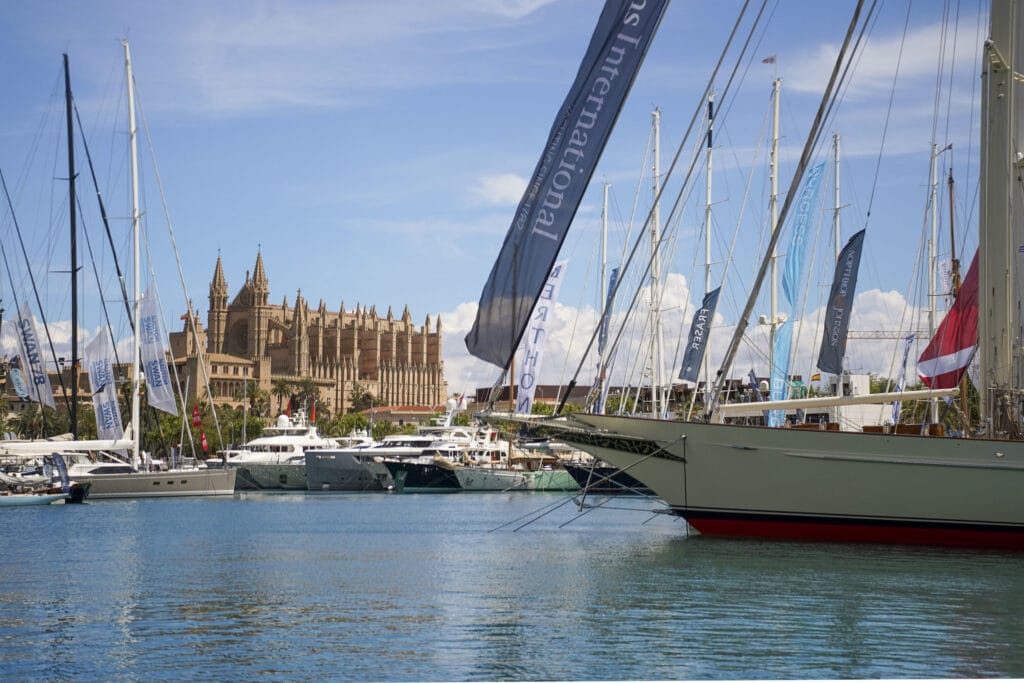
point(867, 487)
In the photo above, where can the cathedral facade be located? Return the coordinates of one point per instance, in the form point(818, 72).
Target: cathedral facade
point(344, 353)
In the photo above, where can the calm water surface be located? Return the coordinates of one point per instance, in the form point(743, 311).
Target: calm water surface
point(417, 587)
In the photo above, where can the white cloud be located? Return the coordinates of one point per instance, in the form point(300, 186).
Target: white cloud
point(504, 189)
point(875, 312)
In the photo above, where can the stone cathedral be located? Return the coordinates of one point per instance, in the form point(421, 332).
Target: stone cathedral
point(342, 352)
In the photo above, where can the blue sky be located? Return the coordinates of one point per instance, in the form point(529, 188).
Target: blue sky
point(375, 151)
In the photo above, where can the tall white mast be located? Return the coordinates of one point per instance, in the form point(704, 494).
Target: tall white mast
point(656, 371)
point(836, 238)
point(602, 304)
point(707, 237)
point(933, 198)
point(773, 210)
point(136, 371)
point(837, 241)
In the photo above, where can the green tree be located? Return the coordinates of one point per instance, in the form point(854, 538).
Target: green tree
point(280, 389)
point(362, 399)
point(615, 401)
point(343, 425)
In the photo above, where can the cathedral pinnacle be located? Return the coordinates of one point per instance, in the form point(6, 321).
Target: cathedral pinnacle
point(259, 275)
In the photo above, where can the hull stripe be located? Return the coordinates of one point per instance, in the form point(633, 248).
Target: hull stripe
point(855, 530)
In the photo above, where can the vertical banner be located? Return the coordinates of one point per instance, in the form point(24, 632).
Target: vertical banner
point(575, 142)
point(195, 416)
point(698, 340)
point(901, 380)
point(795, 255)
point(159, 391)
point(32, 365)
point(536, 336)
point(100, 366)
point(779, 389)
point(840, 305)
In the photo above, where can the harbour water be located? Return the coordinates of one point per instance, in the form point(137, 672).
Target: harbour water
point(392, 587)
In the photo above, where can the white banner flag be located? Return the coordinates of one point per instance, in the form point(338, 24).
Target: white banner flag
point(159, 391)
point(100, 366)
point(32, 364)
point(535, 336)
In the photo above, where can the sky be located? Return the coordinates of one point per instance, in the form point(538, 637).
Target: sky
point(375, 153)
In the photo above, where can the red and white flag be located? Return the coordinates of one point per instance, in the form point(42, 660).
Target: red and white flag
point(195, 415)
point(202, 440)
point(950, 351)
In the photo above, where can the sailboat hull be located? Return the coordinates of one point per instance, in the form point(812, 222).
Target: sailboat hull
point(831, 486)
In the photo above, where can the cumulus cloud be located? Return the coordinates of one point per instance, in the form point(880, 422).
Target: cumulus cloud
point(502, 189)
point(874, 346)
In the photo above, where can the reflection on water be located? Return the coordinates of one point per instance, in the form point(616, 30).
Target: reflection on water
point(389, 587)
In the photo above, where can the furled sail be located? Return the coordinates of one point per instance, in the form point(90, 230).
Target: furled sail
point(950, 351)
point(577, 138)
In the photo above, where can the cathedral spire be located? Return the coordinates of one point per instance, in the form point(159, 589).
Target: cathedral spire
point(260, 286)
point(219, 286)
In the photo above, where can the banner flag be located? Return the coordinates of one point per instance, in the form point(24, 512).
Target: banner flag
point(159, 390)
point(536, 337)
point(32, 365)
point(950, 351)
point(901, 379)
point(195, 416)
point(840, 305)
point(795, 256)
point(100, 366)
point(779, 389)
point(552, 197)
point(698, 340)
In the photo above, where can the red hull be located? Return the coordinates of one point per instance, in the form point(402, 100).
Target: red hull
point(856, 532)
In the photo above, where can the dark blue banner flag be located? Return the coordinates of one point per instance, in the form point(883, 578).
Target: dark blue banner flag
point(840, 305)
point(577, 138)
point(698, 339)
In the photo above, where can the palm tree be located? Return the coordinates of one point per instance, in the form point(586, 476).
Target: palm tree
point(281, 388)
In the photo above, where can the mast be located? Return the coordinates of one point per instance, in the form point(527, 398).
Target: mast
point(933, 259)
point(73, 411)
point(136, 370)
point(837, 240)
point(773, 213)
point(955, 277)
point(657, 408)
point(836, 206)
point(603, 293)
point(998, 236)
point(707, 235)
